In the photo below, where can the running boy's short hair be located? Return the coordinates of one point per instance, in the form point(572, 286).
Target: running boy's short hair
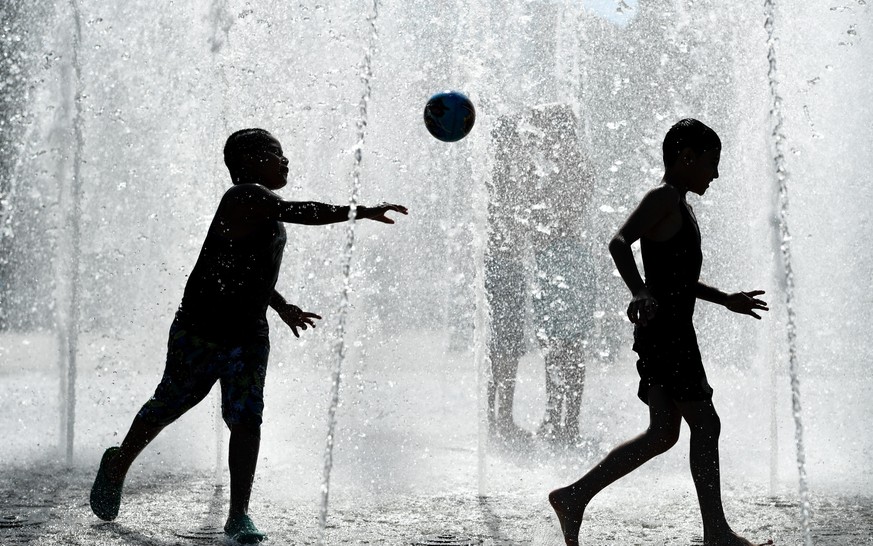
point(242, 142)
point(688, 133)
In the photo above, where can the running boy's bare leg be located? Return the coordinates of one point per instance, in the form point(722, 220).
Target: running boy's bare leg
point(705, 427)
point(569, 502)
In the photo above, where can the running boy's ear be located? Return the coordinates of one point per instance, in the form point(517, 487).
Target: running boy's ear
point(687, 156)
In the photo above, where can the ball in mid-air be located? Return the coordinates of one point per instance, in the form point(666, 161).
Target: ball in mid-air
point(449, 116)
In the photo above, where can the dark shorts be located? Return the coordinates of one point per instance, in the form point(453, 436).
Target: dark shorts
point(670, 358)
point(193, 366)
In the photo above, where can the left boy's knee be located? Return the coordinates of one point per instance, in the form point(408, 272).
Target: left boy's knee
point(246, 417)
point(247, 426)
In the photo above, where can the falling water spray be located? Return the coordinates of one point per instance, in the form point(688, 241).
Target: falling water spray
point(470, 62)
point(340, 345)
point(220, 23)
point(785, 247)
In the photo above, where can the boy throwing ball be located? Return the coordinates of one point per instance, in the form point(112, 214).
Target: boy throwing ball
point(220, 331)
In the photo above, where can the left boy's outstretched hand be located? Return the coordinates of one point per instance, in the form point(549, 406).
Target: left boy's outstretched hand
point(378, 212)
point(746, 303)
point(295, 317)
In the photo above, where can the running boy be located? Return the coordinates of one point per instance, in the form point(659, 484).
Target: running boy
point(672, 380)
point(220, 331)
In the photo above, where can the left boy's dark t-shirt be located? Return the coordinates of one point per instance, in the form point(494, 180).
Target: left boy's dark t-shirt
point(230, 287)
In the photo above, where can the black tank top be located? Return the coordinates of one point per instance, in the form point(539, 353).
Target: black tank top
point(230, 287)
point(672, 269)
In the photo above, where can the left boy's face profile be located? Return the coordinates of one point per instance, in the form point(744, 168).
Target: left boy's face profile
point(269, 164)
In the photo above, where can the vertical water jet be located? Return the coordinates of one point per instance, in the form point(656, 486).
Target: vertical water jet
point(340, 348)
point(220, 23)
point(69, 330)
point(778, 139)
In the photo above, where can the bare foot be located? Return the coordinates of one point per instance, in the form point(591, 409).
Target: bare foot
point(730, 538)
point(569, 509)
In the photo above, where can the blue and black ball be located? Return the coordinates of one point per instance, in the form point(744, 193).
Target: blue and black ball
point(449, 116)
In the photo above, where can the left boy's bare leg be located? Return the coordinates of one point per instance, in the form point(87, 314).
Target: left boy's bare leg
point(705, 428)
point(245, 441)
point(141, 433)
point(242, 461)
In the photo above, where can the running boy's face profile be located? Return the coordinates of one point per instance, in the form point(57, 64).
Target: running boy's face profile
point(269, 164)
point(702, 169)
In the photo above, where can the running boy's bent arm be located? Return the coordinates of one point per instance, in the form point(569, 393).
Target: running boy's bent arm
point(654, 218)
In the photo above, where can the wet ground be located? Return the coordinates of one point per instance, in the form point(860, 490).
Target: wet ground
point(407, 462)
point(49, 506)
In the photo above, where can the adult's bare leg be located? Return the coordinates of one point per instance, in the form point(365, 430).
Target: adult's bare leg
point(575, 379)
point(554, 397)
point(505, 367)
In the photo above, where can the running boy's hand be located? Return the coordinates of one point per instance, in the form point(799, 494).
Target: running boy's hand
point(378, 212)
point(746, 303)
point(296, 317)
point(642, 307)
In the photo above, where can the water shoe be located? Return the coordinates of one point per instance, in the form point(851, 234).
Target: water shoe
point(241, 529)
point(105, 495)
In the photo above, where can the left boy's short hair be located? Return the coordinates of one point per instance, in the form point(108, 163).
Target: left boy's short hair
point(242, 142)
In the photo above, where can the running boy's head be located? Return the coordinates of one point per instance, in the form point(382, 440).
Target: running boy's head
point(691, 155)
point(255, 156)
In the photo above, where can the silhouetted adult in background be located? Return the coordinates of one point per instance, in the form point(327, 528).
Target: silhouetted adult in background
point(220, 332)
point(505, 277)
point(539, 194)
point(564, 283)
point(673, 382)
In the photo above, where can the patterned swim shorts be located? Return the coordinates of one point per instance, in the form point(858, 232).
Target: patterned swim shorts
point(193, 366)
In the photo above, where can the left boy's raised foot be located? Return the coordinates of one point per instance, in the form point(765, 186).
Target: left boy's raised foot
point(106, 492)
point(241, 529)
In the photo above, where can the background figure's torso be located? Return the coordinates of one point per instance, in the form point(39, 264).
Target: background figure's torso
point(565, 293)
point(230, 287)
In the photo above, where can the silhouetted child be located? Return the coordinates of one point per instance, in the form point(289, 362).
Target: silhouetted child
point(672, 379)
point(220, 331)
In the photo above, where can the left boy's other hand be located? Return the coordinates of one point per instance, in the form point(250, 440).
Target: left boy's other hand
point(295, 317)
point(746, 303)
